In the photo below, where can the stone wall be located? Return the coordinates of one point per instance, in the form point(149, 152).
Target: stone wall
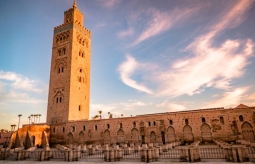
point(197, 125)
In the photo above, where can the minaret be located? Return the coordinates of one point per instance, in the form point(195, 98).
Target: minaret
point(69, 88)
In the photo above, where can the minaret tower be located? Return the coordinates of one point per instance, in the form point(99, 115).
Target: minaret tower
point(69, 88)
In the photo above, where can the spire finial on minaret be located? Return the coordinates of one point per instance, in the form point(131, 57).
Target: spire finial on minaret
point(74, 4)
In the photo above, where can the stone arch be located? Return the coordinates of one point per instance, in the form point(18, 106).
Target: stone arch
point(81, 137)
point(247, 131)
point(135, 135)
point(120, 136)
point(170, 134)
point(70, 139)
point(206, 133)
point(153, 137)
point(187, 134)
point(107, 137)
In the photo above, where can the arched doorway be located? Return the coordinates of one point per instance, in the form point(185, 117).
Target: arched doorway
point(107, 137)
point(187, 134)
point(153, 137)
point(206, 133)
point(81, 137)
point(247, 130)
point(170, 134)
point(163, 137)
point(70, 138)
point(120, 136)
point(135, 135)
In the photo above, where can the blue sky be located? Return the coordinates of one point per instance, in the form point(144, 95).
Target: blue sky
point(147, 56)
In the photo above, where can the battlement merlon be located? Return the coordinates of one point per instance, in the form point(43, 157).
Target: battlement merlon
point(64, 27)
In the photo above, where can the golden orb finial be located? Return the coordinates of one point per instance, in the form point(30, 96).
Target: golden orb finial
point(74, 4)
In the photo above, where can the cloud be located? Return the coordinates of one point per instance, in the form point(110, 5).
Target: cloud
point(229, 99)
point(15, 88)
point(117, 108)
point(126, 69)
point(19, 81)
point(163, 21)
point(132, 104)
point(126, 33)
point(15, 97)
point(172, 107)
point(206, 66)
point(109, 3)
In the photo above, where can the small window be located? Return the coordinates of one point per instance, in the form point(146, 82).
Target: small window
point(241, 118)
point(80, 70)
point(154, 123)
point(108, 126)
point(134, 124)
point(149, 123)
point(62, 69)
point(186, 121)
point(95, 127)
point(120, 125)
point(64, 50)
point(58, 70)
point(59, 52)
point(60, 99)
point(79, 108)
point(57, 100)
point(54, 130)
point(84, 128)
point(171, 122)
point(73, 128)
point(79, 79)
point(221, 120)
point(63, 129)
point(203, 120)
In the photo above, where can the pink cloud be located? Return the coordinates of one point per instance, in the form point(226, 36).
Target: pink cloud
point(229, 99)
point(163, 21)
point(209, 66)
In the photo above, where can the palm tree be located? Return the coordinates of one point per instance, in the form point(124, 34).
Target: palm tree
point(39, 117)
point(121, 115)
point(100, 112)
point(19, 119)
point(11, 127)
point(29, 119)
point(14, 126)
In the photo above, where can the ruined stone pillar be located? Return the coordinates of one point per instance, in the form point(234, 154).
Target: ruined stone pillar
point(143, 155)
point(234, 155)
point(42, 155)
point(70, 155)
point(149, 155)
point(111, 156)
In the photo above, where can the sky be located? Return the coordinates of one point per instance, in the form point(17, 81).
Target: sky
point(147, 56)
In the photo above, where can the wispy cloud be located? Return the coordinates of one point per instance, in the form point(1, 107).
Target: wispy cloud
point(163, 21)
point(109, 3)
point(171, 107)
point(126, 70)
point(228, 99)
point(126, 33)
point(206, 66)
